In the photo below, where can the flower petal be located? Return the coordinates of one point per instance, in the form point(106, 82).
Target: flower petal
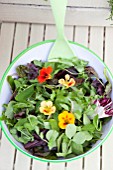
point(49, 70)
point(67, 77)
point(61, 81)
point(62, 125)
point(43, 104)
point(49, 103)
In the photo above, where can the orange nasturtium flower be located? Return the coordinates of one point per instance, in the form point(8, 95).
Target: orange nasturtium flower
point(47, 107)
point(68, 82)
point(45, 74)
point(66, 118)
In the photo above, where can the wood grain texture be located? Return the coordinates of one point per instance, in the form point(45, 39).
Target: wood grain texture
point(50, 32)
point(6, 39)
point(96, 44)
point(37, 31)
point(59, 166)
point(38, 165)
point(81, 3)
point(41, 14)
point(107, 154)
point(21, 38)
point(20, 43)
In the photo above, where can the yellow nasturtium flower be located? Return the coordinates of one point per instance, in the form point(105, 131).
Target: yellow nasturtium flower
point(66, 118)
point(47, 107)
point(68, 82)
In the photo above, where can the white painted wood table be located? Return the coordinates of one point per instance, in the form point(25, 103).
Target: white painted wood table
point(86, 25)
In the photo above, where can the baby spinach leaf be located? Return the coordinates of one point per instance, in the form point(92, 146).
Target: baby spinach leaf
point(70, 130)
point(25, 94)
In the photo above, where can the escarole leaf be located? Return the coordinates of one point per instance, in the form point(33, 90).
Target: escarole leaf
point(25, 94)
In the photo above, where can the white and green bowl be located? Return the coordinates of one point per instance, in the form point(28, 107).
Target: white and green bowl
point(40, 51)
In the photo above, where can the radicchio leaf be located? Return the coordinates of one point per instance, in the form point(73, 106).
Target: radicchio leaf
point(90, 70)
point(98, 86)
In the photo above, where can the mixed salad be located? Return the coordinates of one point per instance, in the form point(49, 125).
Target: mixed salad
point(57, 109)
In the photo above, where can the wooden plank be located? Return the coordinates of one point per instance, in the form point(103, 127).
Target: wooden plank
point(39, 165)
point(20, 43)
point(21, 38)
point(59, 166)
point(40, 14)
point(51, 32)
point(37, 31)
point(95, 44)
point(81, 3)
point(22, 161)
point(81, 36)
point(96, 40)
point(36, 36)
point(6, 40)
point(108, 145)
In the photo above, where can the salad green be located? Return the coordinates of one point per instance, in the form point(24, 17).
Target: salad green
point(57, 109)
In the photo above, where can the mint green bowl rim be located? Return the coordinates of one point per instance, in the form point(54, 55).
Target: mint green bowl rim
point(25, 152)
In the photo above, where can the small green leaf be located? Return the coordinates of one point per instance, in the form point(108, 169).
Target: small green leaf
point(78, 114)
point(59, 141)
point(47, 125)
point(33, 120)
point(64, 106)
point(77, 148)
point(81, 137)
point(70, 130)
point(38, 63)
point(89, 127)
point(97, 123)
point(86, 120)
point(9, 110)
point(54, 124)
point(65, 144)
point(25, 94)
point(37, 130)
point(11, 82)
point(52, 137)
